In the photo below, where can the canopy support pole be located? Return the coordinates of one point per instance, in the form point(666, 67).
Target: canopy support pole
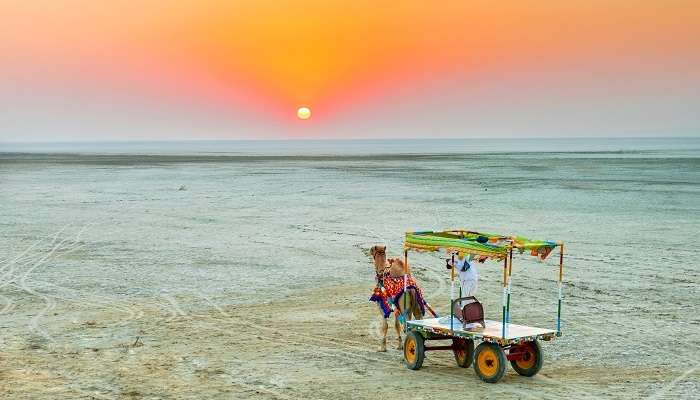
point(452, 294)
point(503, 301)
point(559, 284)
point(405, 283)
point(510, 272)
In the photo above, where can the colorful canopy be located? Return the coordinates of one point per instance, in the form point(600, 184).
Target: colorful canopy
point(476, 243)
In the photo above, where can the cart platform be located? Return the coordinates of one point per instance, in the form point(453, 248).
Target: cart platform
point(515, 334)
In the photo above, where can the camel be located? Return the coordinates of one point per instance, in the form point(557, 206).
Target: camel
point(390, 281)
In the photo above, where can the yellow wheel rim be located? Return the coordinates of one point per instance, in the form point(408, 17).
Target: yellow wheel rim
point(528, 359)
point(488, 362)
point(410, 350)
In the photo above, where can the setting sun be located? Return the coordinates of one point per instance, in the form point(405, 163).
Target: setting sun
point(304, 113)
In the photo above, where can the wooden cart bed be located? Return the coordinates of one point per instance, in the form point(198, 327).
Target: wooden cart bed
point(492, 333)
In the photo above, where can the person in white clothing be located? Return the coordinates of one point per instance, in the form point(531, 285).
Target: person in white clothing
point(467, 273)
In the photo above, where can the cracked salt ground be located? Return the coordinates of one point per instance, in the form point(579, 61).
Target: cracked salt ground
point(254, 281)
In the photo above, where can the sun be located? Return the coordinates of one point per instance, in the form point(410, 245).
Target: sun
point(304, 113)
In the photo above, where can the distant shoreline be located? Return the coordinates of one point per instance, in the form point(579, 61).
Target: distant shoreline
point(354, 148)
point(165, 159)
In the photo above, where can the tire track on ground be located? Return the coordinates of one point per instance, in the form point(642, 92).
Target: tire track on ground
point(57, 251)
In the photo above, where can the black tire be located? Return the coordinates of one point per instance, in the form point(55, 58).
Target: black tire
point(531, 363)
point(463, 350)
point(489, 362)
point(413, 350)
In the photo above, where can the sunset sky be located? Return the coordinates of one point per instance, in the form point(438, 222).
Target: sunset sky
point(156, 69)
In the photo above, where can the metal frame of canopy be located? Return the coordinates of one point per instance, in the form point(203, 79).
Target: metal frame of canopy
point(498, 247)
point(504, 252)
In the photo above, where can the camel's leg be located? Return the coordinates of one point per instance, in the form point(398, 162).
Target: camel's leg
point(397, 325)
point(385, 330)
point(416, 310)
point(415, 307)
point(407, 312)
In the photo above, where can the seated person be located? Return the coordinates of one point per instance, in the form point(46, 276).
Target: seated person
point(467, 273)
point(468, 279)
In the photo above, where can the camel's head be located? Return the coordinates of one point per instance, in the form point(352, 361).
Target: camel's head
point(378, 254)
point(396, 267)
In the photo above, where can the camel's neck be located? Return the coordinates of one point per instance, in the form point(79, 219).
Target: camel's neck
point(380, 265)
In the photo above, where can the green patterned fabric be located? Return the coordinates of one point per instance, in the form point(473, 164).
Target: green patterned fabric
point(496, 246)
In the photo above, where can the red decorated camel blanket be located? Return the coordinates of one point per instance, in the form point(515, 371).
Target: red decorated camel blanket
point(389, 289)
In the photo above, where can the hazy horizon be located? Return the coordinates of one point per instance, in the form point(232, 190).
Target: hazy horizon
point(357, 147)
point(694, 135)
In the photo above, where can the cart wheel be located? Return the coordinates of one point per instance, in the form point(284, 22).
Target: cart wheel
point(531, 361)
point(413, 350)
point(464, 351)
point(489, 362)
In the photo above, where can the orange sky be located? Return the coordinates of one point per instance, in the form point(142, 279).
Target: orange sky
point(265, 58)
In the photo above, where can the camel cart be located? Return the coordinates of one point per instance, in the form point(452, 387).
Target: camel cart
point(500, 341)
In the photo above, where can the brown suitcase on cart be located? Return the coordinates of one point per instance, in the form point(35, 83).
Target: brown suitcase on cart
point(469, 313)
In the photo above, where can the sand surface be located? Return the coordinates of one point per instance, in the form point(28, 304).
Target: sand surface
point(183, 277)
